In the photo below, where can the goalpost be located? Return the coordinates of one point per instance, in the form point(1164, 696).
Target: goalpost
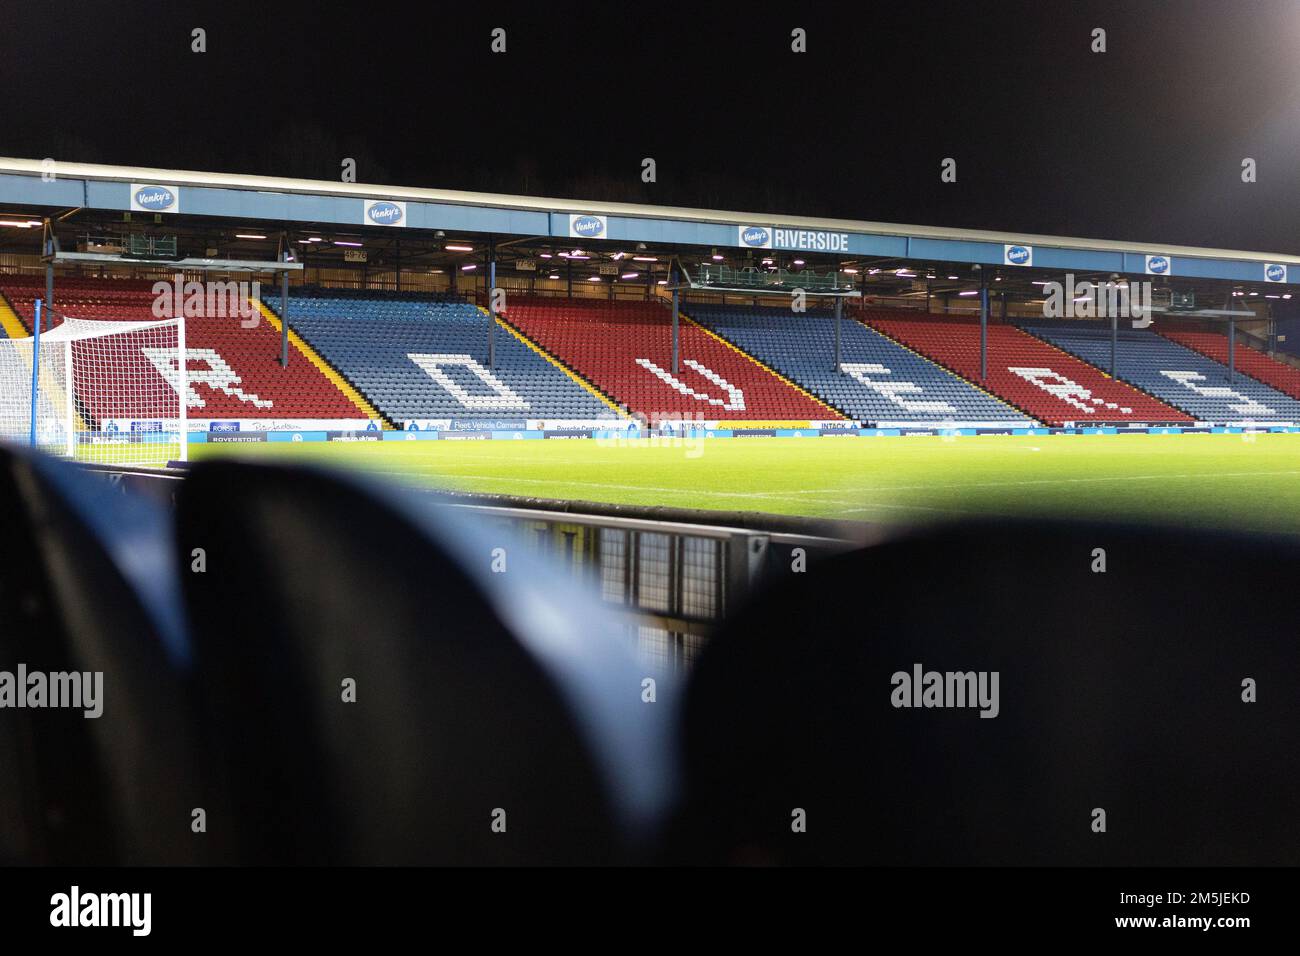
point(98, 390)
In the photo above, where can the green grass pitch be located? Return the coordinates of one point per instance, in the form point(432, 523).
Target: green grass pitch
point(1251, 482)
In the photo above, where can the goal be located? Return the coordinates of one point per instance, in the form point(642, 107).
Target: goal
point(98, 391)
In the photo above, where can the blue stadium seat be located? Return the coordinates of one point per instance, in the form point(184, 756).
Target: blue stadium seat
point(425, 356)
point(881, 382)
point(1171, 372)
point(89, 587)
point(476, 693)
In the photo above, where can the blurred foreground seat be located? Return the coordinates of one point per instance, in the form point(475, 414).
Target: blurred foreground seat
point(380, 695)
point(88, 587)
point(1119, 692)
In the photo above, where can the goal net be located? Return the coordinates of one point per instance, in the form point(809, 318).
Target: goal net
point(97, 391)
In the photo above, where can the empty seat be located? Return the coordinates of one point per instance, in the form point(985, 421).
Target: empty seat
point(234, 369)
point(479, 696)
point(89, 588)
point(419, 356)
point(880, 381)
point(1171, 372)
point(1136, 716)
point(625, 348)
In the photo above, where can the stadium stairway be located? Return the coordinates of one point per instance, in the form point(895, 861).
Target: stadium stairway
point(310, 354)
point(882, 380)
point(1172, 372)
point(233, 371)
point(11, 325)
point(420, 356)
point(625, 349)
point(1043, 381)
point(1214, 345)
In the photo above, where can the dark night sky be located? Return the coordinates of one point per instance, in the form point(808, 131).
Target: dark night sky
point(1144, 142)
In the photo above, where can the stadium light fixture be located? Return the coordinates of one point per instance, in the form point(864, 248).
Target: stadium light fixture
point(1254, 293)
point(717, 258)
point(16, 224)
point(629, 275)
point(618, 255)
point(454, 247)
point(579, 257)
point(1272, 297)
point(343, 242)
point(851, 272)
point(546, 255)
point(249, 235)
point(593, 278)
point(554, 275)
point(954, 278)
point(469, 268)
point(799, 262)
point(1286, 295)
point(665, 282)
point(644, 259)
point(969, 292)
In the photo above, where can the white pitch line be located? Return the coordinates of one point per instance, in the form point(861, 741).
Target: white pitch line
point(1058, 481)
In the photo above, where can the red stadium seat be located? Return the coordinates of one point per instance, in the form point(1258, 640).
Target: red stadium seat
point(234, 371)
point(1038, 378)
point(1285, 378)
point(625, 349)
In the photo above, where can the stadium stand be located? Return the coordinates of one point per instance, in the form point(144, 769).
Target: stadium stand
point(1171, 372)
point(1043, 381)
point(882, 381)
point(625, 348)
point(1285, 378)
point(425, 356)
point(234, 371)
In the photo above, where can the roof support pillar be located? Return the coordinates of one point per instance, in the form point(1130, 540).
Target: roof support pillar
point(284, 318)
point(490, 278)
point(984, 327)
point(839, 304)
point(1114, 341)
